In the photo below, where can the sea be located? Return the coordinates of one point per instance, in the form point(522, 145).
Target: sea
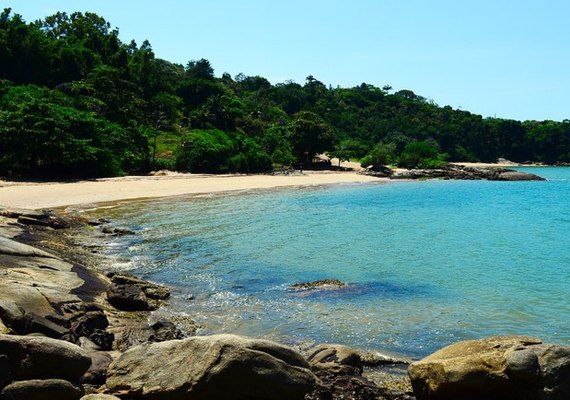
point(426, 263)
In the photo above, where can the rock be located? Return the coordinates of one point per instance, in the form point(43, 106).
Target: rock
point(5, 371)
point(337, 358)
point(459, 172)
point(86, 324)
point(119, 231)
point(320, 284)
point(151, 290)
point(127, 298)
point(4, 329)
point(103, 339)
point(97, 372)
point(517, 176)
point(99, 397)
point(11, 314)
point(215, 367)
point(163, 331)
point(88, 345)
point(41, 357)
point(14, 248)
point(499, 367)
point(36, 389)
point(36, 324)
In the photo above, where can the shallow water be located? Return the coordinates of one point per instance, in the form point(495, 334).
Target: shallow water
point(427, 263)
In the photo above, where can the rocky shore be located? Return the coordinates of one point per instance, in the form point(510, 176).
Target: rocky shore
point(452, 171)
point(71, 328)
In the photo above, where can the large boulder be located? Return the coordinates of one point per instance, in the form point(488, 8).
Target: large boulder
point(499, 367)
point(34, 357)
point(215, 367)
point(517, 176)
point(36, 389)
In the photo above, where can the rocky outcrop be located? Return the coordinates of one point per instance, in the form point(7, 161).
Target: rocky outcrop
point(130, 293)
point(99, 397)
point(339, 370)
point(40, 368)
point(500, 367)
point(458, 172)
point(44, 218)
point(320, 284)
point(215, 367)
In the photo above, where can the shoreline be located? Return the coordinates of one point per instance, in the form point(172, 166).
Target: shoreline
point(34, 195)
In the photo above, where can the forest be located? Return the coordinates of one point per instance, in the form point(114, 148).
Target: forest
point(76, 102)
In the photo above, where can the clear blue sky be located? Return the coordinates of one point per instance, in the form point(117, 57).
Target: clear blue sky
point(504, 58)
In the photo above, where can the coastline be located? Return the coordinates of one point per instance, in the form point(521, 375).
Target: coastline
point(83, 278)
point(40, 195)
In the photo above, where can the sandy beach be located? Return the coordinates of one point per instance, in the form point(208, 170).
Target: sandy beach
point(33, 195)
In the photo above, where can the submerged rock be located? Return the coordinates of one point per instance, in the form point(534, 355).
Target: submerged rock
point(495, 368)
point(219, 367)
point(320, 284)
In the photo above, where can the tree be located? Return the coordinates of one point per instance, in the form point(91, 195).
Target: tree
point(421, 155)
point(310, 135)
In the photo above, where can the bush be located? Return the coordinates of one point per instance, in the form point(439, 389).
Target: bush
point(421, 155)
point(215, 151)
point(205, 151)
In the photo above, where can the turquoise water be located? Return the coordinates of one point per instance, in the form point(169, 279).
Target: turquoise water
point(427, 263)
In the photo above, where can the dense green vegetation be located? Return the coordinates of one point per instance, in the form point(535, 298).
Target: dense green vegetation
point(76, 101)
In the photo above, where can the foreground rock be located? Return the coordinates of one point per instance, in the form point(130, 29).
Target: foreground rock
point(215, 367)
point(500, 367)
point(36, 368)
point(339, 370)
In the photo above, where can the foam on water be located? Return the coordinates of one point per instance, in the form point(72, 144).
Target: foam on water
point(427, 263)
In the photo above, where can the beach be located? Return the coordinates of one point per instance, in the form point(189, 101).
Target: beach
point(40, 195)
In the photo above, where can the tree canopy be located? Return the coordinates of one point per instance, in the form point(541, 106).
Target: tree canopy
point(77, 101)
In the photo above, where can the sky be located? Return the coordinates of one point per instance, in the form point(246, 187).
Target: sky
point(497, 58)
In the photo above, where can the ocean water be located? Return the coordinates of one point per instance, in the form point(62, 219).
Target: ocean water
point(426, 263)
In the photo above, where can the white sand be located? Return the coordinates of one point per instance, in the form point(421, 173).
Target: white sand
point(53, 195)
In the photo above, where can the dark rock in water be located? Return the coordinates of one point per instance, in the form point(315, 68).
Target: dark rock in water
point(163, 331)
point(49, 389)
point(41, 357)
point(127, 298)
point(151, 290)
point(218, 367)
point(499, 367)
point(117, 231)
point(320, 284)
